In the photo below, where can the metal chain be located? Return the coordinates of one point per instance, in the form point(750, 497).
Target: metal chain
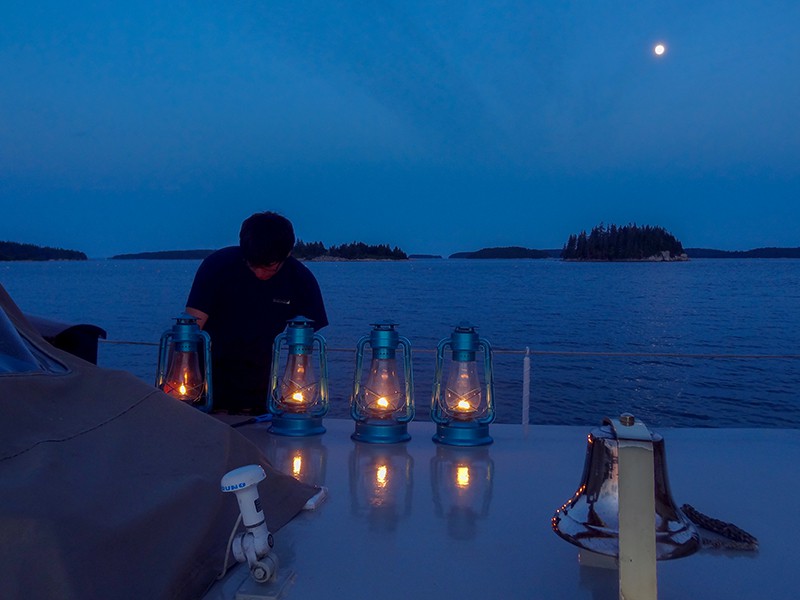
point(734, 537)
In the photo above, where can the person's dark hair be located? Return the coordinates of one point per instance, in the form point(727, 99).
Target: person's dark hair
point(266, 238)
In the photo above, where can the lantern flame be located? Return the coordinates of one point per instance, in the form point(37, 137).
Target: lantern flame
point(184, 380)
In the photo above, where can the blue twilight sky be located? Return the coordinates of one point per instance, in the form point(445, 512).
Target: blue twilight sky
point(435, 126)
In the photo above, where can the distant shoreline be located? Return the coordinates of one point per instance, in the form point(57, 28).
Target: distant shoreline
point(201, 254)
point(164, 255)
point(340, 259)
point(755, 253)
point(31, 253)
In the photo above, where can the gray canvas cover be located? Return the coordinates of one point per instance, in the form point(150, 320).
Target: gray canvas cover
point(111, 489)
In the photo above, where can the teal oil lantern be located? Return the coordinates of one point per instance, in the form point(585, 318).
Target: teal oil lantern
point(462, 408)
point(184, 363)
point(298, 399)
point(380, 404)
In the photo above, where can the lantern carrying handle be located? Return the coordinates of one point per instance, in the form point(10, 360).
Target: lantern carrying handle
point(437, 379)
point(405, 344)
point(362, 342)
point(323, 372)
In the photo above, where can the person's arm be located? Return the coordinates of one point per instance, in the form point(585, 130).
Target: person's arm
point(199, 315)
point(313, 306)
point(201, 296)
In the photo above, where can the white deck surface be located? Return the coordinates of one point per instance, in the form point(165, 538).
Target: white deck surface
point(401, 534)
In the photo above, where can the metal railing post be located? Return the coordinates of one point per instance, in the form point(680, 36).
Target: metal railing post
point(526, 389)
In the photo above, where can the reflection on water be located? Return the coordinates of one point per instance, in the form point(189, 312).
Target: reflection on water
point(461, 481)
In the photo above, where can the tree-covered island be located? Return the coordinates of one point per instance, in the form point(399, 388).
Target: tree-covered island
point(353, 251)
point(16, 251)
point(628, 243)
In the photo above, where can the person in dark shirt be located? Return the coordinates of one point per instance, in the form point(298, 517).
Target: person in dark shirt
point(242, 296)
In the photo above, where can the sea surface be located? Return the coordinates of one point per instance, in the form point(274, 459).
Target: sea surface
point(705, 343)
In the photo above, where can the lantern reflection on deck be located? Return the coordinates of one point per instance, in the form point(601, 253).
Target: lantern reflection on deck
point(381, 484)
point(304, 458)
point(184, 363)
point(464, 410)
point(381, 406)
point(300, 400)
point(461, 479)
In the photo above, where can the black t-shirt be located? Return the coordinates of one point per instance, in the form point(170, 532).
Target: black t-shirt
point(244, 316)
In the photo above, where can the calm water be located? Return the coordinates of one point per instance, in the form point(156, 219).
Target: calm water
point(717, 307)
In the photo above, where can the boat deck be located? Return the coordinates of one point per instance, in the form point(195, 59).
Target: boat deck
point(403, 521)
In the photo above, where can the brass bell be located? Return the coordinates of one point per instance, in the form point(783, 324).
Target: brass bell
point(590, 519)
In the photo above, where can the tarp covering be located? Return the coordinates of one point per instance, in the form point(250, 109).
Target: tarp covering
point(111, 489)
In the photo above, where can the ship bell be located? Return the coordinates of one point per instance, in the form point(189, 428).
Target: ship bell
point(590, 519)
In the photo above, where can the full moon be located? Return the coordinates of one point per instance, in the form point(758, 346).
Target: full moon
point(659, 49)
